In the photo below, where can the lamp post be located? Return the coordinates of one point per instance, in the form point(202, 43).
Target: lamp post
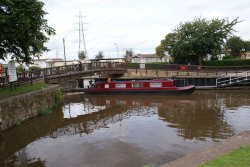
point(65, 62)
point(117, 49)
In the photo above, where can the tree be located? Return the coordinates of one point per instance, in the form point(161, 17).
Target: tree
point(193, 41)
point(82, 55)
point(128, 55)
point(160, 51)
point(23, 29)
point(99, 55)
point(247, 45)
point(234, 46)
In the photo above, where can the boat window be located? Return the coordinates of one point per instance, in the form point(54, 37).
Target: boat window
point(156, 85)
point(120, 85)
point(106, 85)
point(137, 85)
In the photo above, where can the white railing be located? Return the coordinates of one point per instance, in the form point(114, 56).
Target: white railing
point(231, 79)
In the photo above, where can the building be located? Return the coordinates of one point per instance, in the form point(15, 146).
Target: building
point(47, 63)
point(149, 58)
point(247, 54)
point(107, 60)
point(209, 56)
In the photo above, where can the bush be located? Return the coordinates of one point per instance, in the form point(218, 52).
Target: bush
point(20, 68)
point(133, 65)
point(33, 68)
point(156, 65)
point(43, 110)
point(58, 98)
point(228, 62)
point(228, 57)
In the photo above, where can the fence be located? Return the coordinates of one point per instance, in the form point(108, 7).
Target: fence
point(191, 70)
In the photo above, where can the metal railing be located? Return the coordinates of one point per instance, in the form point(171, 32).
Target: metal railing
point(232, 79)
point(189, 70)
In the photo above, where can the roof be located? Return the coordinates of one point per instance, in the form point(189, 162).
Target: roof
point(39, 59)
point(106, 59)
point(146, 56)
point(55, 60)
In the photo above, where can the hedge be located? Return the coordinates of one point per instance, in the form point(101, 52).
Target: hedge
point(227, 62)
point(133, 65)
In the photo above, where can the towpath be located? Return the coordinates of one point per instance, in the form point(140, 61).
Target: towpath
point(219, 149)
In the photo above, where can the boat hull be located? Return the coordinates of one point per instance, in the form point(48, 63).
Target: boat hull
point(167, 90)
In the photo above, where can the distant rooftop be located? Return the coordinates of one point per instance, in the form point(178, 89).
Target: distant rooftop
point(146, 55)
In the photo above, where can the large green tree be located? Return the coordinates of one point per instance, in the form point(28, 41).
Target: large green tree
point(193, 41)
point(234, 46)
point(23, 29)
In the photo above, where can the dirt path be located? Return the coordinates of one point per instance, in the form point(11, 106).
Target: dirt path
point(195, 159)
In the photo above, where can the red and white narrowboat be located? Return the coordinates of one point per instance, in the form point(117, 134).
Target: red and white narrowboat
point(138, 86)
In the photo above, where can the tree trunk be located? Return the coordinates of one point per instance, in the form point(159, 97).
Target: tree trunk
point(199, 60)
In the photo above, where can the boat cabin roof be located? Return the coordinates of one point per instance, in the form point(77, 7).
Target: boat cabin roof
point(138, 81)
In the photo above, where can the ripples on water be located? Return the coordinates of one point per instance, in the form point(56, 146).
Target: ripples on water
point(126, 130)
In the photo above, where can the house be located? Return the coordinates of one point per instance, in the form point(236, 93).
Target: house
point(219, 56)
point(247, 54)
point(56, 62)
point(148, 58)
point(47, 63)
point(107, 60)
point(39, 63)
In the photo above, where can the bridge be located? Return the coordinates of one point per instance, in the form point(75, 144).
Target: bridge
point(62, 74)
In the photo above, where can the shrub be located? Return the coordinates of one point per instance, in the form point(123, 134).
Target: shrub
point(228, 57)
point(156, 65)
point(44, 111)
point(20, 68)
point(33, 68)
point(58, 98)
point(133, 65)
point(227, 62)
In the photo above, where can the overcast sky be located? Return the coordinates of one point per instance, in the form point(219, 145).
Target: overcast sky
point(131, 24)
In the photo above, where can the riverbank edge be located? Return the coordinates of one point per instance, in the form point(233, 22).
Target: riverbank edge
point(197, 88)
point(16, 109)
point(213, 152)
point(221, 88)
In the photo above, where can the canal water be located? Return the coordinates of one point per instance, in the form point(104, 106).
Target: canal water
point(126, 130)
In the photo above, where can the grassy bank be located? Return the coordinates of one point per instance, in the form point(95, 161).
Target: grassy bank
point(6, 92)
point(237, 158)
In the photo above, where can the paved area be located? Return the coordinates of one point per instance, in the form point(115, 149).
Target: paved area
point(226, 146)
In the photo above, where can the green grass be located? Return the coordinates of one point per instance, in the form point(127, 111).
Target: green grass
point(237, 158)
point(6, 92)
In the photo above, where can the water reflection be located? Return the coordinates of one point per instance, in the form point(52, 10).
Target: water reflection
point(125, 130)
point(198, 121)
point(193, 117)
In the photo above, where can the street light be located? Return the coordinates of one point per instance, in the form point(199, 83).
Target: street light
point(117, 49)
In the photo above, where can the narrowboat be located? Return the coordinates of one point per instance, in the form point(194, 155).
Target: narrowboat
point(162, 86)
